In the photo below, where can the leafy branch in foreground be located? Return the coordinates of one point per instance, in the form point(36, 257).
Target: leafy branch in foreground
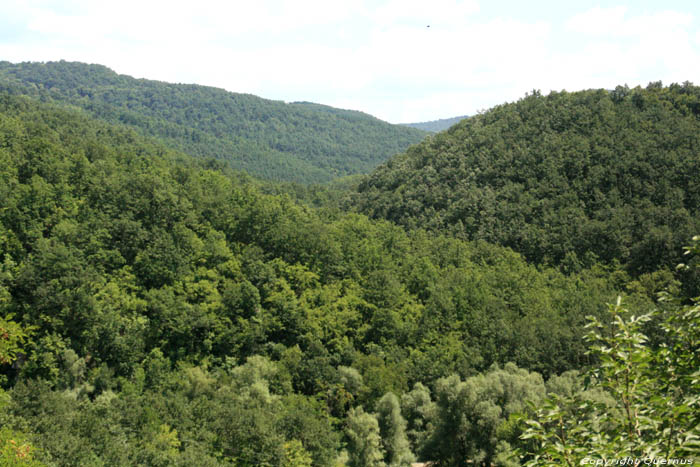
point(654, 412)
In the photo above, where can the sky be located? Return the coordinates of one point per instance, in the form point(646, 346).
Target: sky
point(399, 60)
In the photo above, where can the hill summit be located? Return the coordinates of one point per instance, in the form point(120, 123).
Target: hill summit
point(567, 178)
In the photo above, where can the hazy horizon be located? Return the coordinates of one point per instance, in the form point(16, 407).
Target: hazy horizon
point(401, 61)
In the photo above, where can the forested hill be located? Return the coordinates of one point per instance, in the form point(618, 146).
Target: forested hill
point(294, 142)
point(169, 314)
point(436, 125)
point(568, 178)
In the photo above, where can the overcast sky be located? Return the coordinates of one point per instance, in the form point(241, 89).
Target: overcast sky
point(400, 60)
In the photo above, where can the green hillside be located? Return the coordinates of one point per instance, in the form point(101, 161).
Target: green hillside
point(300, 142)
point(434, 126)
point(160, 312)
point(567, 179)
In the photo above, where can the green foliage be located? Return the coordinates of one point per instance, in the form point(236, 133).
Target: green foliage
point(566, 179)
point(420, 412)
point(475, 418)
point(12, 339)
point(13, 336)
point(300, 141)
point(392, 428)
point(653, 393)
point(295, 455)
point(16, 450)
point(364, 440)
point(182, 314)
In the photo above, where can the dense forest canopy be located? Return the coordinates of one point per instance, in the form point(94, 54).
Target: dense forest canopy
point(161, 309)
point(566, 179)
point(300, 142)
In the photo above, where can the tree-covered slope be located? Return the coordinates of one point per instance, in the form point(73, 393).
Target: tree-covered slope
point(179, 316)
point(436, 125)
point(568, 178)
point(295, 142)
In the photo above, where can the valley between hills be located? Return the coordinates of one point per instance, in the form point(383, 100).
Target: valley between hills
point(190, 276)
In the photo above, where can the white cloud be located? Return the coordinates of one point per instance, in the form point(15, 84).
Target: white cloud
point(598, 21)
point(616, 22)
point(623, 47)
point(435, 13)
point(366, 55)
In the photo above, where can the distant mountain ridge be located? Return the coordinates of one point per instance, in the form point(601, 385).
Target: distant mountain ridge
point(300, 142)
point(435, 126)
